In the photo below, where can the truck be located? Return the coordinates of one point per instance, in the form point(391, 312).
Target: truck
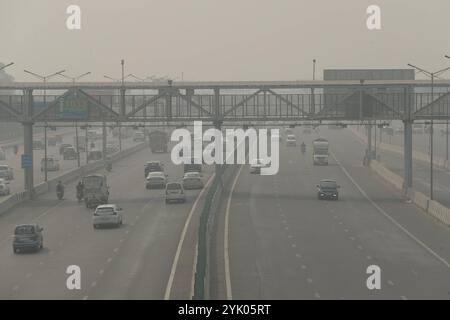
point(158, 141)
point(320, 151)
point(81, 143)
point(96, 190)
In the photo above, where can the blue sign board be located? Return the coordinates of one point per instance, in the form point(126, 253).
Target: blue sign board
point(27, 161)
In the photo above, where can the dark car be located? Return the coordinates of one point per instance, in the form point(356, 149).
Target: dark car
point(153, 166)
point(63, 147)
point(38, 145)
point(28, 236)
point(328, 189)
point(70, 153)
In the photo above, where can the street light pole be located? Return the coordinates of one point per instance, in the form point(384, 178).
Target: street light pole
point(77, 144)
point(6, 66)
point(432, 75)
point(446, 129)
point(44, 78)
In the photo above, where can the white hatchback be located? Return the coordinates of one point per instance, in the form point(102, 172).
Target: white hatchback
point(107, 214)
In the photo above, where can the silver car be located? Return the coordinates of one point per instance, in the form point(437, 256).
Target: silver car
point(156, 180)
point(6, 172)
point(192, 180)
point(175, 192)
point(107, 214)
point(4, 188)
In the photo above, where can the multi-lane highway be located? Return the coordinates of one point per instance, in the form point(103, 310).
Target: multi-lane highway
point(14, 160)
point(276, 240)
point(147, 258)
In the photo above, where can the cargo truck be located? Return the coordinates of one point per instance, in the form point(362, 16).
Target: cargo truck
point(320, 151)
point(158, 141)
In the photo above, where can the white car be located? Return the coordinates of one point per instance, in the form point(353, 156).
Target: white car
point(175, 192)
point(4, 188)
point(6, 172)
point(192, 180)
point(256, 165)
point(156, 180)
point(107, 214)
point(291, 141)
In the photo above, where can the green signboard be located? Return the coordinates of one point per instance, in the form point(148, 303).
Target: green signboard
point(74, 107)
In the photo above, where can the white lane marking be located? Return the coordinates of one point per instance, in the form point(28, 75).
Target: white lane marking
point(41, 263)
point(414, 272)
point(369, 258)
point(93, 284)
point(390, 283)
point(360, 247)
point(289, 236)
point(127, 231)
point(403, 298)
point(85, 297)
point(317, 295)
point(101, 271)
point(352, 238)
point(309, 280)
point(293, 245)
point(376, 206)
point(298, 255)
point(28, 275)
point(345, 230)
point(181, 241)
point(121, 240)
point(193, 271)
point(226, 238)
point(303, 267)
point(15, 288)
point(109, 260)
point(115, 250)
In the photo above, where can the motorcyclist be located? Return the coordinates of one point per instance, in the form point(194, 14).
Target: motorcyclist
point(108, 163)
point(303, 147)
point(80, 190)
point(60, 190)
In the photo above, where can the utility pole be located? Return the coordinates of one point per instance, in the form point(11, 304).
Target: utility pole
point(45, 78)
point(432, 75)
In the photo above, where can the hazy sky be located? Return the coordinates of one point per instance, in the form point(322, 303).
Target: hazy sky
point(221, 39)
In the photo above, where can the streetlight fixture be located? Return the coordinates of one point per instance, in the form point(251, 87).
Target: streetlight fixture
point(74, 79)
point(432, 75)
point(44, 79)
point(6, 65)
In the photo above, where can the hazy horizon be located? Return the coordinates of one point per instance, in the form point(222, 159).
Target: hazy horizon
point(220, 40)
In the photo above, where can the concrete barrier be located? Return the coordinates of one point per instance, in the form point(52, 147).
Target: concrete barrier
point(432, 207)
point(11, 201)
point(417, 155)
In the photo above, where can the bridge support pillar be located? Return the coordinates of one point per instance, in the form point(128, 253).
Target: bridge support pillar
point(407, 154)
point(104, 138)
point(369, 141)
point(28, 142)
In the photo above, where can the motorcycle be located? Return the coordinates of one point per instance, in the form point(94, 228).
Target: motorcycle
point(60, 194)
point(79, 195)
point(303, 149)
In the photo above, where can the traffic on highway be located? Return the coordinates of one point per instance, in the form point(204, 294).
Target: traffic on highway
point(224, 157)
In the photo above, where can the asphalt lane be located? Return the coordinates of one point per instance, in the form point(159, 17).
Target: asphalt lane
point(14, 161)
point(286, 244)
point(132, 261)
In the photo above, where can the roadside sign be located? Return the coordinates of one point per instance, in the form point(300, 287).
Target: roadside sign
point(27, 161)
